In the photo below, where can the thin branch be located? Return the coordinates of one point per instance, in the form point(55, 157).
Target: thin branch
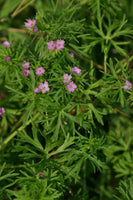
point(20, 10)
point(8, 139)
point(20, 5)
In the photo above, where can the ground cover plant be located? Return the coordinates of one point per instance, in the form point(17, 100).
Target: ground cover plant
point(66, 74)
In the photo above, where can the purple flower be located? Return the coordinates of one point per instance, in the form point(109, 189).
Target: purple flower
point(30, 23)
point(44, 87)
point(26, 72)
point(7, 58)
point(60, 44)
point(72, 55)
point(66, 78)
point(6, 44)
point(40, 53)
point(76, 70)
point(128, 85)
point(39, 71)
point(51, 45)
point(42, 175)
point(36, 90)
point(2, 110)
point(71, 87)
point(35, 29)
point(26, 64)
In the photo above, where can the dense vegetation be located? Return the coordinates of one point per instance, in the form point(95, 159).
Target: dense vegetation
point(66, 74)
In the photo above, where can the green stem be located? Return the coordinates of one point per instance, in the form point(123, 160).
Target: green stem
point(18, 130)
point(105, 63)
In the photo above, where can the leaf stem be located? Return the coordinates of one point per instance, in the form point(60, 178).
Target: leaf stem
point(8, 139)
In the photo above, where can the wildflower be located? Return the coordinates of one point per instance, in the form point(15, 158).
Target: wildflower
point(39, 71)
point(72, 55)
point(2, 110)
point(6, 44)
point(42, 175)
point(71, 87)
point(40, 53)
point(35, 29)
point(26, 72)
point(66, 78)
point(30, 23)
point(51, 45)
point(36, 90)
point(7, 58)
point(26, 65)
point(128, 85)
point(76, 70)
point(60, 44)
point(44, 87)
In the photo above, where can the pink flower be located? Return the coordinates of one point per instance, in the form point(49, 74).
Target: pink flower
point(128, 85)
point(51, 45)
point(30, 24)
point(35, 29)
point(72, 55)
point(2, 110)
point(26, 65)
point(76, 70)
point(60, 44)
point(6, 44)
point(7, 58)
point(66, 78)
point(39, 71)
point(71, 87)
point(26, 72)
point(42, 175)
point(36, 90)
point(44, 87)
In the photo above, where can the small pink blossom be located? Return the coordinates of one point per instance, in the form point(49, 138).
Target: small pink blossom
point(30, 23)
point(76, 70)
point(26, 72)
point(35, 29)
point(128, 85)
point(44, 87)
point(42, 175)
point(71, 87)
point(2, 110)
point(39, 71)
point(36, 90)
point(7, 58)
point(51, 45)
point(60, 44)
point(26, 64)
point(6, 44)
point(66, 78)
point(72, 55)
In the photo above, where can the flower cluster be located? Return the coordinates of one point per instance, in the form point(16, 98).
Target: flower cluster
point(7, 45)
point(67, 78)
point(71, 85)
point(25, 66)
point(2, 110)
point(58, 45)
point(31, 24)
point(43, 87)
point(128, 85)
